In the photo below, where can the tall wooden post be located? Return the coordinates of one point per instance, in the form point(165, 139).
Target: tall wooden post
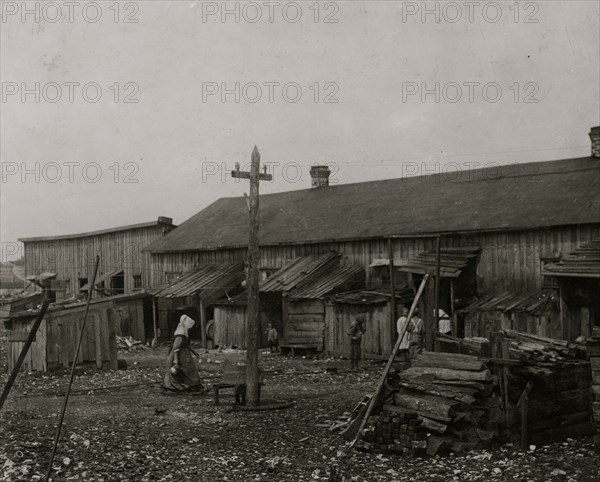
point(436, 302)
point(253, 326)
point(393, 293)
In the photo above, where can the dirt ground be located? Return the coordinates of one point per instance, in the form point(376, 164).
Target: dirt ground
point(119, 426)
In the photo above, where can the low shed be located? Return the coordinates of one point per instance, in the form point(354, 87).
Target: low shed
point(291, 299)
point(194, 293)
point(342, 309)
point(56, 340)
point(535, 312)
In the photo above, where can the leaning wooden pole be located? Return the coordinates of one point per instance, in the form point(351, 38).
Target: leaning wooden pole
point(388, 365)
point(15, 371)
point(75, 356)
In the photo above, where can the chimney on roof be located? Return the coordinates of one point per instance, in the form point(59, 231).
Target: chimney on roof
point(164, 220)
point(595, 137)
point(319, 176)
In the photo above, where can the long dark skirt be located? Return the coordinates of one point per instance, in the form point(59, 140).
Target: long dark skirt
point(188, 377)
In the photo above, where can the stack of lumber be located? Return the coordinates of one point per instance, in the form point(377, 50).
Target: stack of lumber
point(558, 402)
point(471, 346)
point(443, 403)
point(593, 350)
point(528, 347)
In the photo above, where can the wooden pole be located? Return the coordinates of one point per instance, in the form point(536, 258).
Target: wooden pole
point(15, 371)
point(436, 301)
point(202, 323)
point(452, 314)
point(253, 323)
point(388, 365)
point(155, 321)
point(393, 293)
point(252, 284)
point(66, 401)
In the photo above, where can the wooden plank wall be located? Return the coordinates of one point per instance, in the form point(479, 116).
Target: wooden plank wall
point(377, 339)
point(130, 318)
point(63, 334)
point(56, 341)
point(74, 258)
point(230, 326)
point(482, 323)
point(304, 322)
point(35, 359)
point(508, 260)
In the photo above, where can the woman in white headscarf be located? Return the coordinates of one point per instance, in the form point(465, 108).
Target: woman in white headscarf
point(182, 373)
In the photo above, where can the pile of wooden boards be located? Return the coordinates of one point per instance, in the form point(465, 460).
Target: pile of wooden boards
point(528, 347)
point(444, 403)
point(548, 401)
point(593, 351)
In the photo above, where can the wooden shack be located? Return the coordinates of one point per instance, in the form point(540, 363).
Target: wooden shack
point(231, 318)
point(194, 293)
point(577, 278)
point(535, 312)
point(56, 340)
point(291, 301)
point(304, 308)
point(342, 309)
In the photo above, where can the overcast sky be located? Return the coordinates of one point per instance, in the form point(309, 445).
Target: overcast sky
point(111, 113)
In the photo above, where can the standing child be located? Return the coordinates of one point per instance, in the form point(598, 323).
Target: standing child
point(273, 338)
point(416, 329)
point(356, 332)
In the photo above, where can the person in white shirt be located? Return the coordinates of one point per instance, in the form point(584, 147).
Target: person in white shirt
point(444, 324)
point(400, 324)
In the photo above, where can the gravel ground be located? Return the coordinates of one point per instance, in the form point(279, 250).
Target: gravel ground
point(119, 426)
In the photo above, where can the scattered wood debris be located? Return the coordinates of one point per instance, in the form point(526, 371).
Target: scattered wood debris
point(128, 343)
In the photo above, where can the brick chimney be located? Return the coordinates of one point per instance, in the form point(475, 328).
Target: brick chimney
point(319, 176)
point(595, 137)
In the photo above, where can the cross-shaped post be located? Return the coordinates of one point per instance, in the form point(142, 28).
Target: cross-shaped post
point(253, 326)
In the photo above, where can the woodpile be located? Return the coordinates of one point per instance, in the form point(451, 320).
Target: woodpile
point(593, 351)
point(444, 403)
point(549, 402)
point(528, 390)
point(531, 348)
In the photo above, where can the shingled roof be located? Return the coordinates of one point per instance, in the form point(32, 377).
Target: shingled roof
point(512, 197)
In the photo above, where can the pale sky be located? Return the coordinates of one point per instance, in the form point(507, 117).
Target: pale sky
point(369, 56)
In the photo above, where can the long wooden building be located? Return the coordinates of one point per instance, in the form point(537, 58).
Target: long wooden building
point(517, 219)
point(124, 267)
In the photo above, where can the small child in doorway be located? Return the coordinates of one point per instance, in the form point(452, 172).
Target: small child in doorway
point(273, 338)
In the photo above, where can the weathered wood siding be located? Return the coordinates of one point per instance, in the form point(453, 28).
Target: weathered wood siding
point(508, 260)
point(230, 326)
point(377, 338)
point(482, 323)
point(304, 323)
point(35, 360)
point(56, 340)
point(74, 258)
